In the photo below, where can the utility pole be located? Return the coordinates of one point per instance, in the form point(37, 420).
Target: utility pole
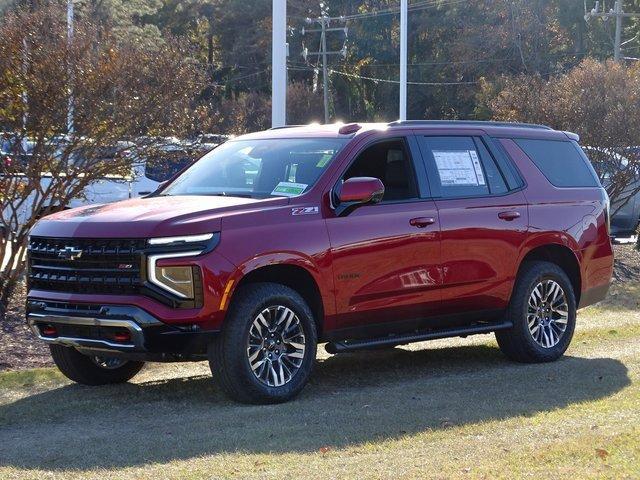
point(618, 38)
point(325, 80)
point(279, 64)
point(403, 59)
point(325, 26)
point(617, 13)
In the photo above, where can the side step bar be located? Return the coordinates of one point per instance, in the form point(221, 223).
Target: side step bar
point(392, 340)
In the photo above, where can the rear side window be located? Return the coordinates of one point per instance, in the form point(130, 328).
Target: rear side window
point(461, 167)
point(561, 162)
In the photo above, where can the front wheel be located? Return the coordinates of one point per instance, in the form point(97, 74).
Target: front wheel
point(93, 370)
point(267, 348)
point(543, 312)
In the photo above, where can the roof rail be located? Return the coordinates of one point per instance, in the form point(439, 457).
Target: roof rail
point(285, 126)
point(478, 123)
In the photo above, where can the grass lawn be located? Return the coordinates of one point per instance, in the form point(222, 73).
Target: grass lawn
point(446, 409)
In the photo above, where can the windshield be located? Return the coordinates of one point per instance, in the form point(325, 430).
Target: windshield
point(258, 168)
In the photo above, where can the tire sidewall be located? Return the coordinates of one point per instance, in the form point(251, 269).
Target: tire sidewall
point(237, 334)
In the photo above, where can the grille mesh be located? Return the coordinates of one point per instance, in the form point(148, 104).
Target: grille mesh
point(85, 265)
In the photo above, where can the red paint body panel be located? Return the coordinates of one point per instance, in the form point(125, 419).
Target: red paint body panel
point(480, 250)
point(375, 265)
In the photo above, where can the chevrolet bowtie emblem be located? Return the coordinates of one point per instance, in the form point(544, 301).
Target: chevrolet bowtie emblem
point(69, 253)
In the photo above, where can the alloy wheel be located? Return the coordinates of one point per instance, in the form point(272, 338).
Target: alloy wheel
point(547, 313)
point(276, 345)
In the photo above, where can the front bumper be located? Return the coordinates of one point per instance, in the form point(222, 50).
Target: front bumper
point(117, 330)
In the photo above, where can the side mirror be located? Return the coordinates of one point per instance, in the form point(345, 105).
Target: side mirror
point(358, 191)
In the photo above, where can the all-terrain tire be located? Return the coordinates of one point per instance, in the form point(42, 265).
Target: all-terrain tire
point(228, 354)
point(82, 369)
point(518, 342)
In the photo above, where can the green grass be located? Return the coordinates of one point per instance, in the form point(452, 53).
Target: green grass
point(446, 409)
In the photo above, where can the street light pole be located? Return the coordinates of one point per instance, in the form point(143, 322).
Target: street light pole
point(403, 59)
point(279, 64)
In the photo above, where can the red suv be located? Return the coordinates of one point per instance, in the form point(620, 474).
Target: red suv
point(361, 235)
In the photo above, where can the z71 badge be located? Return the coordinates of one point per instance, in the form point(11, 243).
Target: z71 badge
point(305, 211)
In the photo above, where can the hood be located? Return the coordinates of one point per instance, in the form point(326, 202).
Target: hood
point(148, 217)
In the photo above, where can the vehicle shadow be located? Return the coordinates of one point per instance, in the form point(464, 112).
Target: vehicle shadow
point(352, 398)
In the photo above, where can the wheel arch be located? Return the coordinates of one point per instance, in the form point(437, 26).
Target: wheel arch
point(561, 255)
point(298, 274)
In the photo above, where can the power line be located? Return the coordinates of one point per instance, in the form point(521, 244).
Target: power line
point(388, 80)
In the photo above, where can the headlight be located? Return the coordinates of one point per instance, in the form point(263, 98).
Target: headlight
point(179, 240)
point(177, 280)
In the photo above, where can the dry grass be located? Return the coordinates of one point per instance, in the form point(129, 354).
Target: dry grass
point(447, 409)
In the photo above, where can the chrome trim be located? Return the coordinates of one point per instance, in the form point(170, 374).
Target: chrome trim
point(185, 239)
point(135, 330)
point(151, 270)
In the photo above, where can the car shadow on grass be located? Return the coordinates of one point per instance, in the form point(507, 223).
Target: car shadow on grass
point(351, 399)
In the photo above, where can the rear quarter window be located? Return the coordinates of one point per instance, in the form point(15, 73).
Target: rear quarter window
point(561, 162)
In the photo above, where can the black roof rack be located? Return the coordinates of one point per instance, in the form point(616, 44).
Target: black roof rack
point(285, 126)
point(478, 123)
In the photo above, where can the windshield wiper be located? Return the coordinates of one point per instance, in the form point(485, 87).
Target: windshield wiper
point(230, 194)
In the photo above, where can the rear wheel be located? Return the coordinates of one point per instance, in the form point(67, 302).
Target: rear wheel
point(543, 312)
point(93, 370)
point(267, 348)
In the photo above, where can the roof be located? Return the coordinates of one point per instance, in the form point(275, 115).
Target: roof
point(341, 130)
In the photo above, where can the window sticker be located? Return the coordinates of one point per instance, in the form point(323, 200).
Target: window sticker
point(459, 168)
point(324, 160)
point(289, 189)
point(476, 165)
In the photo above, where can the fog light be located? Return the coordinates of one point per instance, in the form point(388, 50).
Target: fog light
point(122, 337)
point(49, 331)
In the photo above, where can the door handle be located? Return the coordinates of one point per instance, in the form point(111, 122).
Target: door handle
point(422, 222)
point(509, 215)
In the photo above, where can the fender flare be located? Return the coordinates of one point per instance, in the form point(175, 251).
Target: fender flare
point(284, 259)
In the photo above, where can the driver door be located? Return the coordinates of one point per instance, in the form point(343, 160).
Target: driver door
point(386, 256)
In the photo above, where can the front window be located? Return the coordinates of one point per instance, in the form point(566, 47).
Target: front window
point(258, 168)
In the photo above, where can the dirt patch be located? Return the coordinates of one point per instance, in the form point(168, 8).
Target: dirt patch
point(19, 349)
point(626, 264)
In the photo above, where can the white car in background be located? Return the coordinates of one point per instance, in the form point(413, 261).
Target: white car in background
point(147, 173)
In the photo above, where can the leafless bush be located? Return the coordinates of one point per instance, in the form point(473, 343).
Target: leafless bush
point(119, 90)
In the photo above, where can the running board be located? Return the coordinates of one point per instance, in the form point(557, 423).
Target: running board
point(392, 340)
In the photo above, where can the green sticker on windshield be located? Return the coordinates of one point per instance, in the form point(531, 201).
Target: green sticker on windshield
point(324, 160)
point(289, 189)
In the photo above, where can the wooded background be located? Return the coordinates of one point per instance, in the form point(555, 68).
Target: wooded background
point(460, 52)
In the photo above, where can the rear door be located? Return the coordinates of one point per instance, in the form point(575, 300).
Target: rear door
point(386, 256)
point(483, 220)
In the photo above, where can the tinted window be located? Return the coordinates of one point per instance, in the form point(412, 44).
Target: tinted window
point(561, 162)
point(462, 167)
point(389, 162)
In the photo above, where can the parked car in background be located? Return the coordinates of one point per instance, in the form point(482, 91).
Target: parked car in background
point(160, 160)
point(625, 209)
point(362, 236)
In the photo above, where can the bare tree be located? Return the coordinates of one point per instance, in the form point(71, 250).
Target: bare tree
point(598, 100)
point(119, 90)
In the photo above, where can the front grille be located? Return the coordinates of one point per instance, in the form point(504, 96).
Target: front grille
point(86, 265)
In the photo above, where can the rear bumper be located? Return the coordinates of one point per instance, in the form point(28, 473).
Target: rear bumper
point(118, 330)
